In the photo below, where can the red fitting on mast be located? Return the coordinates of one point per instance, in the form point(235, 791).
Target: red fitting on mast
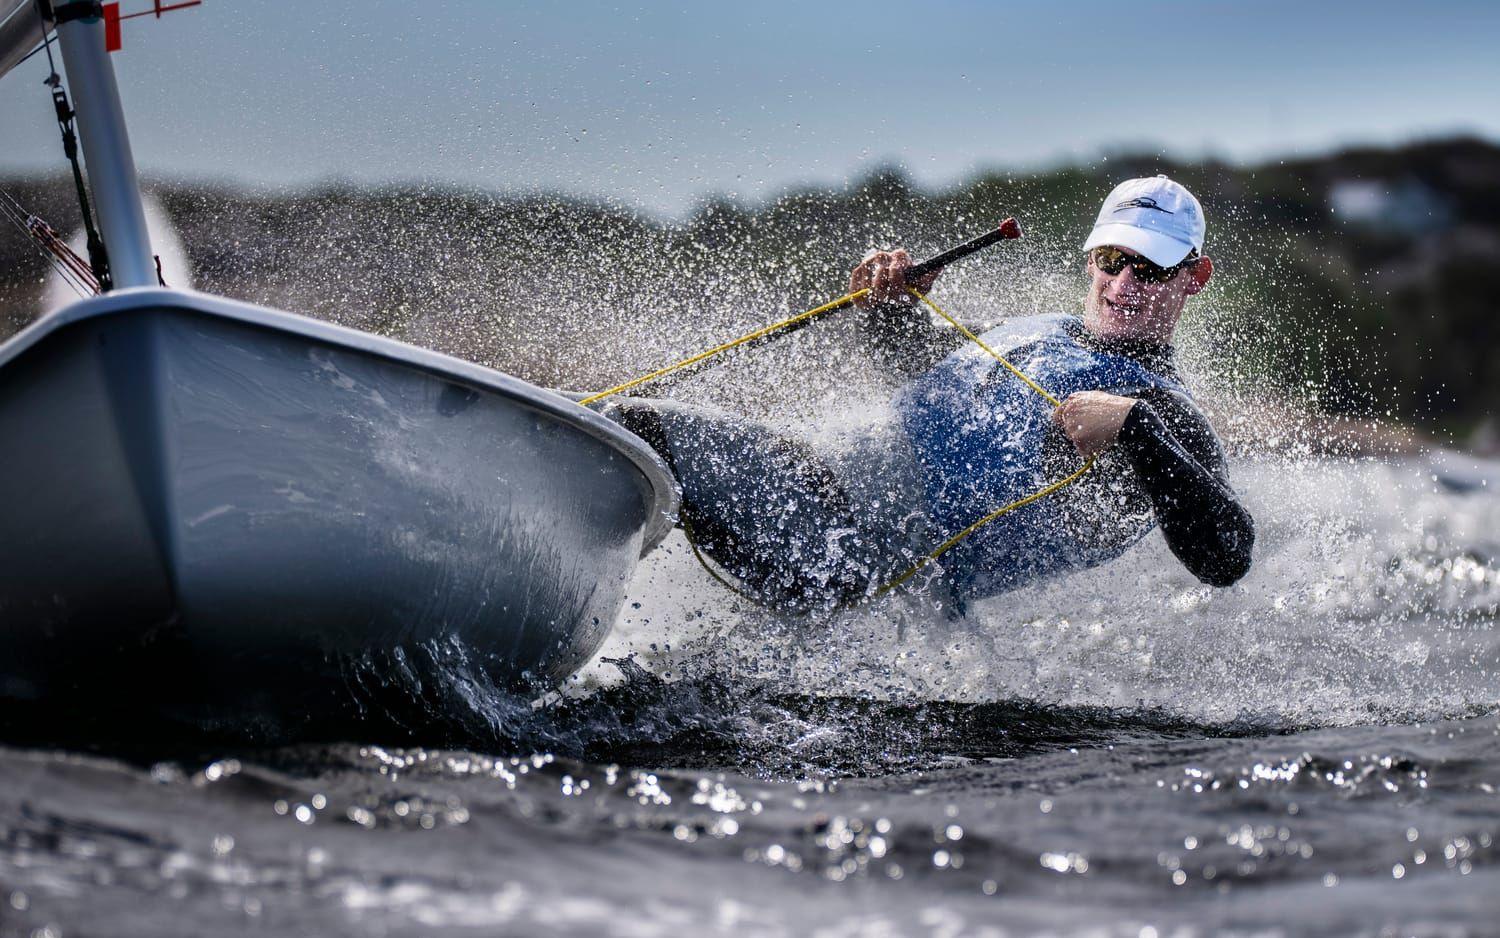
point(113, 18)
point(111, 27)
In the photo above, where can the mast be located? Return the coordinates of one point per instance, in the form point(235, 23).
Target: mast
point(106, 144)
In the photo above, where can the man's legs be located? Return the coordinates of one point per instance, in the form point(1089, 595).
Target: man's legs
point(766, 508)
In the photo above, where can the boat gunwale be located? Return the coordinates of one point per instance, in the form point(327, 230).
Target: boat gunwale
point(664, 502)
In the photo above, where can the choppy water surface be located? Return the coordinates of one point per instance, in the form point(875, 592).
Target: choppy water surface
point(1316, 750)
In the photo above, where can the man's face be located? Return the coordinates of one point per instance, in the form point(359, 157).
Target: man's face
point(1120, 306)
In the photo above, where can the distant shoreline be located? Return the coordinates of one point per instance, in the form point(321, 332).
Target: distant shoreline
point(1361, 279)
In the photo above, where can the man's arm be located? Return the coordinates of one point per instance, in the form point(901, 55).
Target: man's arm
point(900, 336)
point(1183, 475)
point(903, 340)
point(1181, 468)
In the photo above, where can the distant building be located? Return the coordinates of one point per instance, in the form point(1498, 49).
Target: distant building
point(1406, 206)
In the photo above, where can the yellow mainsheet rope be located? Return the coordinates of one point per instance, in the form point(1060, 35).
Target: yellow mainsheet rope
point(980, 342)
point(846, 300)
point(1041, 493)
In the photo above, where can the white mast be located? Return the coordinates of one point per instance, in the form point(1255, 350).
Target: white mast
point(106, 144)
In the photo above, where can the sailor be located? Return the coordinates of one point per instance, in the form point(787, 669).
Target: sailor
point(804, 530)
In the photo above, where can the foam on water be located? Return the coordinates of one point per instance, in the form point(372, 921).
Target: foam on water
point(1373, 596)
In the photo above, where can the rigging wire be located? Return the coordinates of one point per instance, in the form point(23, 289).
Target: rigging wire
point(25, 58)
point(73, 270)
point(98, 256)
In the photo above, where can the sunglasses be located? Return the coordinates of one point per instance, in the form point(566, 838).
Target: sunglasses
point(1112, 260)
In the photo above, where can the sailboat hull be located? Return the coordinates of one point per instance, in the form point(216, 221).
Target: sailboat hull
point(233, 501)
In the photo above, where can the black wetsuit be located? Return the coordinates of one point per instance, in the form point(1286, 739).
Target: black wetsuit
point(771, 511)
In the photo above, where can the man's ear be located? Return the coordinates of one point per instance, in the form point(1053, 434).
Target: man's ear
point(1199, 274)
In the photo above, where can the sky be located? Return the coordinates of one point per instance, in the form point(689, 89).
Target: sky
point(658, 105)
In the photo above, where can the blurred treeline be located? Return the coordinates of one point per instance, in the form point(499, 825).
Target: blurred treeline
point(1361, 282)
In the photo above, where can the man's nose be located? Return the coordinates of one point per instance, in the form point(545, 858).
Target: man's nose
point(1125, 280)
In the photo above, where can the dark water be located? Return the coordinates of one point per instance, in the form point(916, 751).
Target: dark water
point(1314, 751)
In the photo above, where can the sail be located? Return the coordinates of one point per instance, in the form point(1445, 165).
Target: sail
point(20, 31)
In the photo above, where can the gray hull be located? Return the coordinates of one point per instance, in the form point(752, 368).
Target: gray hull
point(242, 504)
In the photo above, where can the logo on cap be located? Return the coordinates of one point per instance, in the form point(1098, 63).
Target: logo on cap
point(1142, 202)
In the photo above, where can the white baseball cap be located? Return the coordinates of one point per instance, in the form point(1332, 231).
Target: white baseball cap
point(1152, 216)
